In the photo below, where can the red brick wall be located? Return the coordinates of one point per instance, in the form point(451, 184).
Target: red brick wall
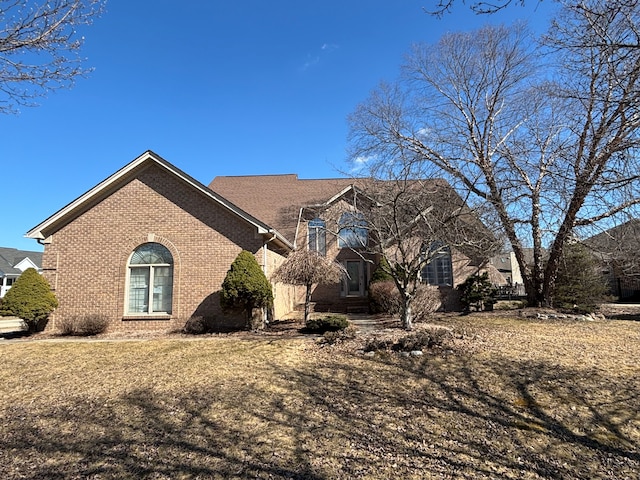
point(86, 261)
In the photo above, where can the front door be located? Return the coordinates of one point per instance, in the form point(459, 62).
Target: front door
point(355, 278)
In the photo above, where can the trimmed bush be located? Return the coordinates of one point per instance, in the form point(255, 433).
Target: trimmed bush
point(331, 323)
point(245, 287)
point(84, 325)
point(195, 326)
point(30, 298)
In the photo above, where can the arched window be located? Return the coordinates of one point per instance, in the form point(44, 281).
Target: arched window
point(439, 270)
point(150, 280)
point(318, 236)
point(353, 231)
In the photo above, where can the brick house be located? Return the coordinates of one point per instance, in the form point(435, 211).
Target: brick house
point(150, 246)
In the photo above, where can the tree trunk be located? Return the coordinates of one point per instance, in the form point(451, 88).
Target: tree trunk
point(307, 302)
point(406, 316)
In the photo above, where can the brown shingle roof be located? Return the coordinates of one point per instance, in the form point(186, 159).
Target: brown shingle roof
point(276, 199)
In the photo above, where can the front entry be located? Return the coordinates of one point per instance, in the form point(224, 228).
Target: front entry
point(355, 278)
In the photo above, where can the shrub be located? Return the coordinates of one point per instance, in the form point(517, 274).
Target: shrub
point(385, 298)
point(419, 340)
point(374, 344)
point(511, 305)
point(83, 325)
point(30, 298)
point(579, 287)
point(478, 292)
point(332, 337)
point(427, 300)
point(195, 326)
point(428, 338)
point(331, 323)
point(245, 287)
point(380, 274)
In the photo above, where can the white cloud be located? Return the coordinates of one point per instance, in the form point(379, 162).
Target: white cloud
point(360, 163)
point(315, 58)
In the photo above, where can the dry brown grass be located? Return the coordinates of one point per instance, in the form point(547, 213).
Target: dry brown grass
point(511, 399)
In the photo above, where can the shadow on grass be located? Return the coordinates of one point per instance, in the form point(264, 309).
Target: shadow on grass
point(342, 417)
point(630, 317)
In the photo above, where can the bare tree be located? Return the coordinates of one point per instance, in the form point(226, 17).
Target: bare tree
point(413, 219)
point(549, 141)
point(39, 47)
point(308, 268)
point(443, 7)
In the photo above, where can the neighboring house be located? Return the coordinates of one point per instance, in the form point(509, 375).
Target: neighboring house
point(150, 246)
point(13, 262)
point(617, 251)
point(510, 284)
point(508, 267)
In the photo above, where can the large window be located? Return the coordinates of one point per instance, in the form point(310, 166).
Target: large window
point(318, 236)
point(438, 271)
point(353, 231)
point(150, 280)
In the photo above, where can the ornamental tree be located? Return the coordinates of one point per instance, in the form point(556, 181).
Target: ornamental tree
point(308, 268)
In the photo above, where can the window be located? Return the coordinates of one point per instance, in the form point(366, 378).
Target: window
point(318, 236)
point(438, 271)
point(353, 231)
point(150, 280)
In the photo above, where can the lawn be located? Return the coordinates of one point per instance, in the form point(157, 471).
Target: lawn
point(510, 398)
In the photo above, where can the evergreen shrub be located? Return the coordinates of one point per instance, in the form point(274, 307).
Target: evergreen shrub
point(30, 298)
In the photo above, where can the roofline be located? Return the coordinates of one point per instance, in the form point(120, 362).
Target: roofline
point(148, 156)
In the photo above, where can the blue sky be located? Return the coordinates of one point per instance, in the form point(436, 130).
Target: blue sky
point(238, 87)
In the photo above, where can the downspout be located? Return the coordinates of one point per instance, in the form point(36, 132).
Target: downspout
point(295, 239)
point(265, 270)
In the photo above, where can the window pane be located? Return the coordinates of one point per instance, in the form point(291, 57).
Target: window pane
point(439, 270)
point(151, 253)
point(150, 279)
point(317, 236)
point(162, 287)
point(353, 232)
point(139, 290)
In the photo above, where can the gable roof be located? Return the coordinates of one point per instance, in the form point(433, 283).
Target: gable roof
point(627, 232)
point(277, 199)
point(620, 242)
point(10, 257)
point(111, 184)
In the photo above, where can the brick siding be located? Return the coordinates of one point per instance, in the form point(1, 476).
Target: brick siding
point(86, 260)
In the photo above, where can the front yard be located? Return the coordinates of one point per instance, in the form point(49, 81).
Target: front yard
point(511, 398)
